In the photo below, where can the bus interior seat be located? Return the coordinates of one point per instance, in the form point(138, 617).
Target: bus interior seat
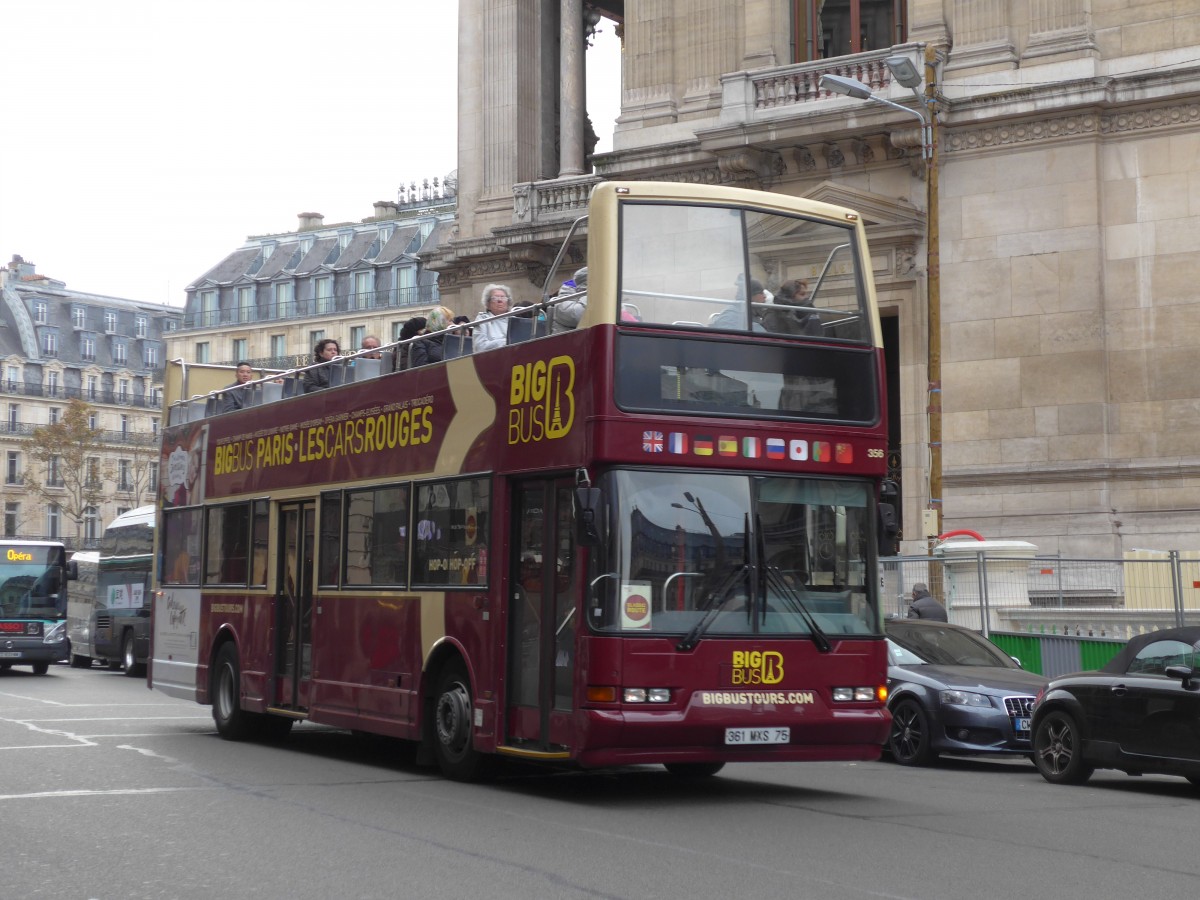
point(387, 361)
point(338, 375)
point(456, 345)
point(270, 391)
point(291, 387)
point(522, 329)
point(366, 368)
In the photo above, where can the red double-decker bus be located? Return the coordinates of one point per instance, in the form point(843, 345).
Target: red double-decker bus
point(648, 538)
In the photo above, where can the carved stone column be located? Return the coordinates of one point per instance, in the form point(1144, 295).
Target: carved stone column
point(982, 31)
point(1059, 26)
point(648, 94)
point(572, 102)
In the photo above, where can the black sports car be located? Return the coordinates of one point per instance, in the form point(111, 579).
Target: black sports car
point(952, 691)
point(1140, 713)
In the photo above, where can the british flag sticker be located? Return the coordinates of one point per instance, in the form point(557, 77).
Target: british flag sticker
point(652, 442)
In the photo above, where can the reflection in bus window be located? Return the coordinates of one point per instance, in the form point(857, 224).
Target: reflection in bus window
point(331, 539)
point(376, 536)
point(227, 550)
point(452, 520)
point(181, 546)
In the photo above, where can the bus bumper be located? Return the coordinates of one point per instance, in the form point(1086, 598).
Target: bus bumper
point(624, 737)
point(28, 650)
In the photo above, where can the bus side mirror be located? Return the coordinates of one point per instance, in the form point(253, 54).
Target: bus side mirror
point(587, 505)
point(72, 570)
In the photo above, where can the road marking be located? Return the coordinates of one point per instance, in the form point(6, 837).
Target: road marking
point(124, 792)
point(34, 699)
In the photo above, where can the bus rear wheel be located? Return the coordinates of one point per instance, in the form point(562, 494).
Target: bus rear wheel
point(452, 726)
point(233, 723)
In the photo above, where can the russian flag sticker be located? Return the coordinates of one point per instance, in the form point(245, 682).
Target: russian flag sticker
point(775, 448)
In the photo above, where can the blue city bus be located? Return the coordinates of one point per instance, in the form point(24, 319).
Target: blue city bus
point(33, 604)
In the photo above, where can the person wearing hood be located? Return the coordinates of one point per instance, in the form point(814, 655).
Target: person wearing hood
point(491, 330)
point(567, 313)
point(430, 349)
point(925, 606)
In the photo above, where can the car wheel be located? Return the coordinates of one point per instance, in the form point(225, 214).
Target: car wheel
point(233, 722)
point(41, 668)
point(694, 770)
point(452, 726)
point(1058, 750)
point(129, 658)
point(80, 662)
point(910, 742)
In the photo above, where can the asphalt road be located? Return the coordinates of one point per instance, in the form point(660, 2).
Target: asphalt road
point(109, 791)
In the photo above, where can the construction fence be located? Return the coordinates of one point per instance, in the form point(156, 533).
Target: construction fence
point(1056, 614)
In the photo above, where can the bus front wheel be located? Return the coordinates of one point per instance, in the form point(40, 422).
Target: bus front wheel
point(129, 657)
point(233, 722)
point(452, 726)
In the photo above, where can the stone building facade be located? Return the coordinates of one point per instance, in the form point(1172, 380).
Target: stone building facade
point(1068, 216)
point(58, 345)
point(271, 300)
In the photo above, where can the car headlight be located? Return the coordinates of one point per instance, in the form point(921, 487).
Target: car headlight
point(964, 698)
point(56, 635)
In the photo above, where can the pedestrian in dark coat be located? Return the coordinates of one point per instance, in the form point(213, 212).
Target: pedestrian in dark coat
point(925, 606)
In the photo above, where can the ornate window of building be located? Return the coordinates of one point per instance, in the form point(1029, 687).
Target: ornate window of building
point(41, 312)
point(209, 311)
point(285, 300)
point(314, 336)
point(92, 386)
point(827, 28)
point(357, 333)
point(93, 420)
point(405, 280)
point(140, 326)
point(50, 343)
point(278, 346)
point(14, 416)
point(55, 415)
point(12, 469)
point(79, 316)
point(12, 378)
point(239, 349)
point(120, 352)
point(364, 286)
point(123, 391)
point(124, 426)
point(110, 321)
point(12, 518)
point(202, 354)
point(124, 482)
point(93, 472)
point(87, 347)
point(53, 520)
point(323, 291)
point(152, 479)
point(53, 385)
point(245, 304)
point(54, 472)
point(151, 352)
point(91, 523)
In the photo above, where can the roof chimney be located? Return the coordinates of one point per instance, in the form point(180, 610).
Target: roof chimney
point(386, 209)
point(311, 220)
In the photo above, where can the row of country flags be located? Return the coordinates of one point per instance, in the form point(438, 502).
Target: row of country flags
point(682, 444)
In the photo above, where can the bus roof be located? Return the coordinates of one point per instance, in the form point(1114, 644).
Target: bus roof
point(143, 515)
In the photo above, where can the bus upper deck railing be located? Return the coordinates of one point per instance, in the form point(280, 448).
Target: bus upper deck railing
point(525, 323)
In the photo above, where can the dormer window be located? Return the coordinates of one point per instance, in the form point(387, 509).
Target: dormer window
point(110, 321)
point(41, 312)
point(79, 316)
point(141, 325)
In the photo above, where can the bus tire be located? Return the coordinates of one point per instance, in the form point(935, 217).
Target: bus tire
point(452, 706)
point(41, 668)
point(233, 723)
point(129, 657)
point(694, 770)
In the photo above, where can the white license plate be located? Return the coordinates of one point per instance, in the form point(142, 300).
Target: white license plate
point(10, 654)
point(1021, 724)
point(757, 735)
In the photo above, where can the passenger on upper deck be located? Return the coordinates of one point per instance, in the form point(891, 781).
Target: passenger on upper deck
point(408, 331)
point(429, 349)
point(236, 395)
point(733, 316)
point(370, 342)
point(318, 379)
point(490, 331)
point(567, 313)
point(792, 321)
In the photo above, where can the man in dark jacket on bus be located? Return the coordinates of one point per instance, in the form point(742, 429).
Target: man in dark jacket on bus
point(924, 606)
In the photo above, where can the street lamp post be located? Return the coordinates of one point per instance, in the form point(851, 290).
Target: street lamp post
point(906, 74)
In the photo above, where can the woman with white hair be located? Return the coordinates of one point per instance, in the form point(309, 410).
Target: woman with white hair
point(491, 331)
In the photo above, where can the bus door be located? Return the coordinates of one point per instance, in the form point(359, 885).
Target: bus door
point(543, 586)
point(294, 605)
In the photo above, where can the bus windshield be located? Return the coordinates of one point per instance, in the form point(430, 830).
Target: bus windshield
point(749, 554)
point(31, 582)
point(709, 267)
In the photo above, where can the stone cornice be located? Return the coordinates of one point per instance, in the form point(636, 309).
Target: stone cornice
point(1073, 472)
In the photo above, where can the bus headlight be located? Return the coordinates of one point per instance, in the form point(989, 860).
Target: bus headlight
point(56, 635)
point(854, 694)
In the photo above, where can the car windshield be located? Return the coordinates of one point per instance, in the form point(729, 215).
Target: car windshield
point(942, 646)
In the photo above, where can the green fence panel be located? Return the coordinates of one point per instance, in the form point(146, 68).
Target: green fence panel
point(1026, 648)
point(1096, 654)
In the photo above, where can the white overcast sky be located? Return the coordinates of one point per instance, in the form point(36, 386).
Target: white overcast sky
point(146, 139)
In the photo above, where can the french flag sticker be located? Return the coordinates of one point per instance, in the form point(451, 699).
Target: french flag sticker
point(677, 442)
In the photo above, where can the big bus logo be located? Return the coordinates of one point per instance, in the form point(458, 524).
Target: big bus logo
point(541, 400)
point(757, 667)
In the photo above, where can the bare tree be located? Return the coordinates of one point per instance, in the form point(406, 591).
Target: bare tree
point(71, 468)
point(137, 457)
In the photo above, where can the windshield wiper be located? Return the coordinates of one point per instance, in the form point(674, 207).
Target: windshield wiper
point(716, 602)
point(775, 578)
